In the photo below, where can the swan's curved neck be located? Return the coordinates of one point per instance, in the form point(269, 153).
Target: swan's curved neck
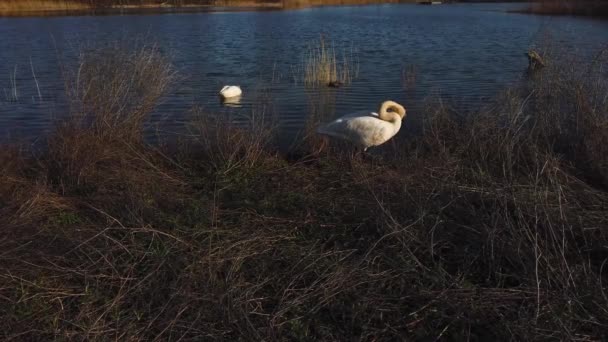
point(393, 116)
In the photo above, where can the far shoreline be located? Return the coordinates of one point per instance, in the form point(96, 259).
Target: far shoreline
point(58, 8)
point(234, 6)
point(588, 9)
point(137, 11)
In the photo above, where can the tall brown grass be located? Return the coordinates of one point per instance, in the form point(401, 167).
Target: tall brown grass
point(484, 227)
point(322, 66)
point(113, 91)
point(8, 6)
point(29, 7)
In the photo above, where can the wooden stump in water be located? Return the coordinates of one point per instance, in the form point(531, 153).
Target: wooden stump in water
point(335, 84)
point(535, 61)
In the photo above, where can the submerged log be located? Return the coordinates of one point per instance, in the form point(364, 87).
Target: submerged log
point(535, 61)
point(335, 84)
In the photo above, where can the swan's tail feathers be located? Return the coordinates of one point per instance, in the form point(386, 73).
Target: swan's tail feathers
point(324, 130)
point(330, 130)
point(225, 87)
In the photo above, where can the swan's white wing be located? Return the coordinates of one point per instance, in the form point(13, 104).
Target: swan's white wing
point(362, 113)
point(231, 91)
point(362, 129)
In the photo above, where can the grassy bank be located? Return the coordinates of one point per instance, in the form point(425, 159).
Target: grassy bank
point(488, 227)
point(595, 8)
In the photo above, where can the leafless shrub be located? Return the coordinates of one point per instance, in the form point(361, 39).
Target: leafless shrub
point(227, 146)
point(114, 89)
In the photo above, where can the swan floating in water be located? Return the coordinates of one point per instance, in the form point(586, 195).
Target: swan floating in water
point(230, 91)
point(367, 129)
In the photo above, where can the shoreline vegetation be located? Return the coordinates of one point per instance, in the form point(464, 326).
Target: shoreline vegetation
point(18, 8)
point(485, 227)
point(11, 8)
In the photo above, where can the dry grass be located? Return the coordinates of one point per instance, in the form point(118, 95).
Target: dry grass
point(113, 90)
point(488, 227)
point(10, 6)
point(321, 66)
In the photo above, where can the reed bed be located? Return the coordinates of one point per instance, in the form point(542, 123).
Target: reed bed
point(134, 79)
point(321, 66)
point(12, 6)
point(50, 7)
point(485, 227)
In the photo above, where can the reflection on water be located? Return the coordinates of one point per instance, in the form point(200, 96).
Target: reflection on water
point(464, 53)
point(234, 101)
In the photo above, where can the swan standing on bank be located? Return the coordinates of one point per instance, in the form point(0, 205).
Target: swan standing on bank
point(230, 91)
point(367, 129)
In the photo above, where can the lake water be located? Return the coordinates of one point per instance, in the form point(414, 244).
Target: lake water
point(464, 53)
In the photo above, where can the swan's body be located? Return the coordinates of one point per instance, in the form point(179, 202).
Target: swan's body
point(230, 91)
point(367, 129)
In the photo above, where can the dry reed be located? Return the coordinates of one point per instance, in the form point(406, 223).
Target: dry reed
point(321, 66)
point(13, 6)
point(113, 90)
point(25, 7)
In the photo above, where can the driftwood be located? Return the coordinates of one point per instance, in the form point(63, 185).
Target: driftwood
point(535, 61)
point(335, 84)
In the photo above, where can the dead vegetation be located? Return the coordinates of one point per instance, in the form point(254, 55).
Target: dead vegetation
point(487, 227)
point(322, 66)
point(67, 7)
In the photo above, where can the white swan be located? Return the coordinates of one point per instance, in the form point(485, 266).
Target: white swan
point(230, 91)
point(367, 129)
